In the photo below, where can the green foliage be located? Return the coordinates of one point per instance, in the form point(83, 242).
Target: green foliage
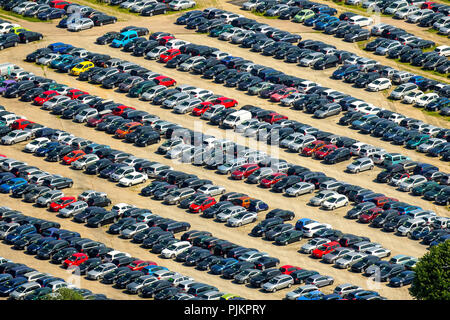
point(432, 281)
point(63, 294)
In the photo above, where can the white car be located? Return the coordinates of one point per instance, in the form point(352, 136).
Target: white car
point(36, 144)
point(443, 50)
point(133, 178)
point(378, 252)
point(211, 190)
point(335, 202)
point(379, 84)
point(88, 194)
point(396, 117)
point(156, 52)
point(252, 256)
point(310, 229)
point(122, 207)
point(321, 196)
point(412, 96)
point(80, 24)
point(177, 5)
point(360, 20)
point(426, 99)
point(175, 249)
point(349, 259)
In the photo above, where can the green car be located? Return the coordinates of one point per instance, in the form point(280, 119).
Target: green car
point(417, 140)
point(257, 88)
point(420, 190)
point(433, 193)
point(303, 15)
point(229, 296)
point(289, 237)
point(139, 89)
point(217, 31)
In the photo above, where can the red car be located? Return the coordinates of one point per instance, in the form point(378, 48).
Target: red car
point(381, 201)
point(226, 102)
point(325, 249)
point(75, 260)
point(59, 4)
point(272, 179)
point(202, 204)
point(44, 97)
point(201, 108)
point(165, 81)
point(117, 111)
point(428, 5)
point(94, 121)
point(138, 265)
point(324, 151)
point(282, 93)
point(274, 117)
point(75, 93)
point(370, 214)
point(169, 55)
point(288, 269)
point(244, 171)
point(312, 147)
point(165, 39)
point(61, 203)
point(20, 124)
point(73, 156)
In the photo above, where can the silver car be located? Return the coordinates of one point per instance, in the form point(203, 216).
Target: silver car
point(23, 290)
point(178, 195)
point(16, 136)
point(175, 99)
point(319, 280)
point(349, 259)
point(336, 254)
point(48, 197)
point(300, 291)
point(131, 230)
point(361, 164)
point(300, 188)
point(73, 208)
point(245, 275)
point(242, 219)
point(99, 271)
point(313, 244)
point(187, 105)
point(279, 282)
point(230, 212)
point(137, 285)
point(321, 196)
point(82, 163)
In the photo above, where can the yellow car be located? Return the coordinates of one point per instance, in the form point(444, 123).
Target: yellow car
point(81, 67)
point(18, 30)
point(229, 296)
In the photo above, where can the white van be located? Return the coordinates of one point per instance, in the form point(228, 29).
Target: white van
point(236, 118)
point(7, 68)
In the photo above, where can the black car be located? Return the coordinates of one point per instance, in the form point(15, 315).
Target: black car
point(111, 277)
point(103, 218)
point(266, 275)
point(155, 287)
point(101, 19)
point(19, 88)
point(29, 36)
point(338, 155)
point(364, 263)
point(154, 8)
point(9, 40)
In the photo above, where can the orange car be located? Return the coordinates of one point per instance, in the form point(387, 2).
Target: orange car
point(73, 156)
point(242, 201)
point(127, 128)
point(313, 147)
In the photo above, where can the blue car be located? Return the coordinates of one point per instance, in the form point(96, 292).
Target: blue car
point(46, 148)
point(416, 79)
point(35, 247)
point(438, 104)
point(440, 240)
point(94, 147)
point(19, 232)
point(12, 184)
point(439, 149)
point(420, 233)
point(311, 21)
point(150, 270)
point(60, 60)
point(66, 66)
point(220, 266)
point(9, 286)
point(59, 47)
point(407, 209)
point(302, 222)
point(390, 134)
point(322, 24)
point(62, 23)
point(325, 9)
point(52, 13)
point(402, 279)
point(257, 206)
point(341, 72)
point(313, 295)
point(5, 177)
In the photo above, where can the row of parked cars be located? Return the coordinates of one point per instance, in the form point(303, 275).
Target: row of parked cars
point(11, 34)
point(152, 7)
point(271, 41)
point(21, 282)
point(75, 17)
point(273, 213)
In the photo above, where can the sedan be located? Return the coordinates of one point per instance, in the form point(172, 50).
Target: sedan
point(133, 179)
point(242, 218)
point(319, 280)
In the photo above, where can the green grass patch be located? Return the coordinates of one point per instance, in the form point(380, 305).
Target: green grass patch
point(436, 114)
point(9, 15)
point(262, 14)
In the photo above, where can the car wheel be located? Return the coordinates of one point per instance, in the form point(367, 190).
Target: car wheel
point(70, 185)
